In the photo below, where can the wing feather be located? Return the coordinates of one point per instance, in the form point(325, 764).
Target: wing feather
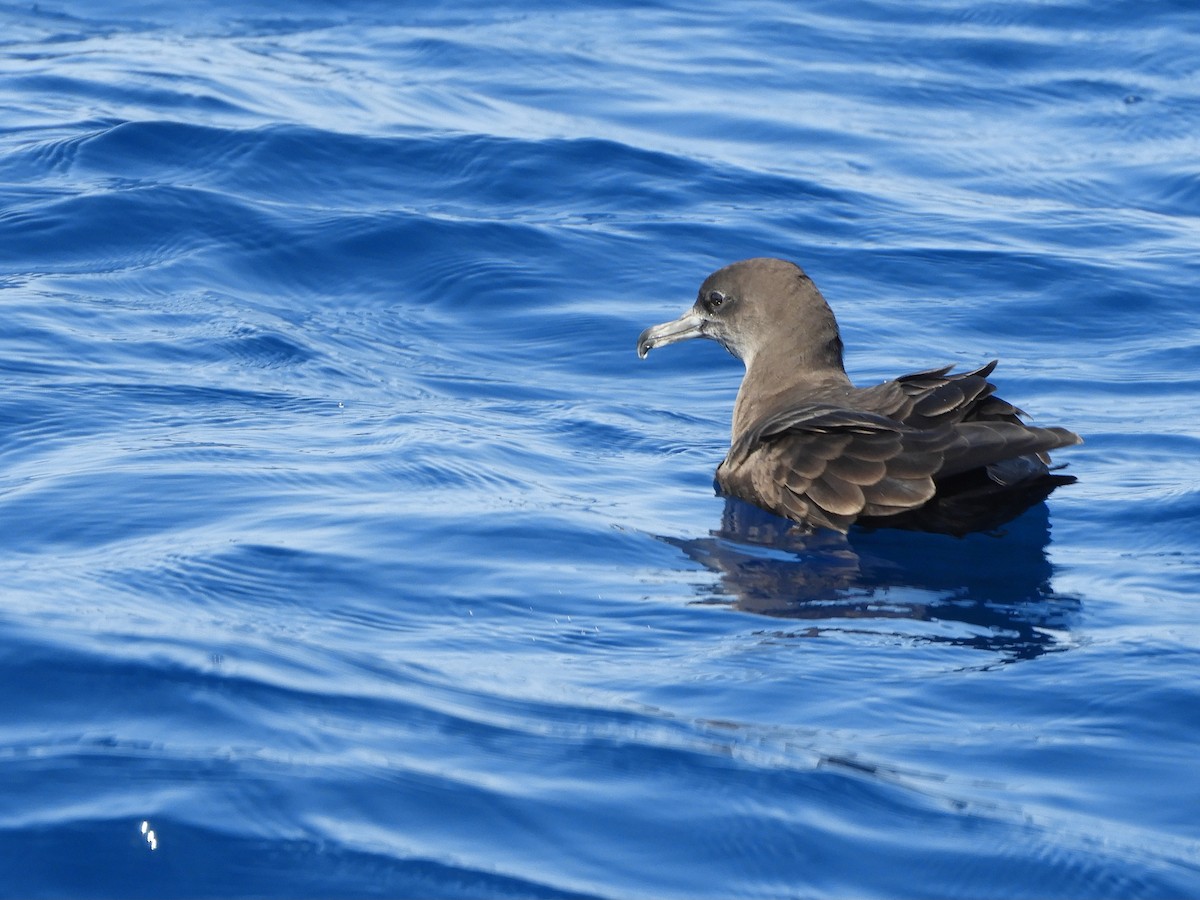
point(834, 495)
point(826, 464)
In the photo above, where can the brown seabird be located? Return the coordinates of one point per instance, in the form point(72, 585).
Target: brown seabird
point(810, 446)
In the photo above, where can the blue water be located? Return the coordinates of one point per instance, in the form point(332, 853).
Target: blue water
point(348, 547)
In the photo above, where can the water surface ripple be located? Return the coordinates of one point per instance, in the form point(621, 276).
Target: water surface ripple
point(350, 550)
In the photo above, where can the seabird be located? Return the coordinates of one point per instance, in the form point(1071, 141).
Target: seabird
point(930, 450)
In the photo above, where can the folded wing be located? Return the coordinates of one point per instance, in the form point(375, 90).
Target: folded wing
point(826, 465)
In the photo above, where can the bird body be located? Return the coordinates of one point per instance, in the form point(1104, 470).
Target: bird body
point(808, 445)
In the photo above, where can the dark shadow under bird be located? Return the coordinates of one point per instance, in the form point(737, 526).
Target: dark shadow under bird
point(930, 451)
point(991, 592)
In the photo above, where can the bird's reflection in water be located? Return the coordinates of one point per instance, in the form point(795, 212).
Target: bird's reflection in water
point(992, 589)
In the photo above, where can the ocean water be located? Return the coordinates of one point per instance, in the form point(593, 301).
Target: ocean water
point(347, 548)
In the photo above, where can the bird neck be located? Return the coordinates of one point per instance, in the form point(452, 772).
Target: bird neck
point(787, 376)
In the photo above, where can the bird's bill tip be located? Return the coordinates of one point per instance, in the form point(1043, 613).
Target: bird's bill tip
point(686, 327)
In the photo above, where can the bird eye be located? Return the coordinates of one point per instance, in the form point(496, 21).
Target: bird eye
point(715, 299)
